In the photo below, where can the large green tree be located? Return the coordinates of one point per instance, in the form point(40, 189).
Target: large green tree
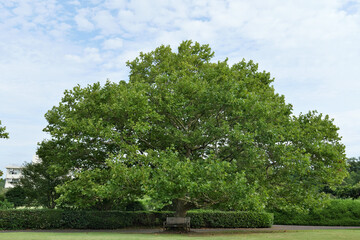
point(3, 134)
point(193, 133)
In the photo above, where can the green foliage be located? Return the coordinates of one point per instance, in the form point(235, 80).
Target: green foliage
point(205, 182)
point(339, 212)
point(221, 219)
point(85, 190)
point(350, 187)
point(135, 206)
point(30, 219)
point(346, 191)
point(2, 186)
point(354, 171)
point(39, 179)
point(3, 134)
point(16, 196)
point(103, 189)
point(192, 133)
point(57, 219)
point(4, 204)
point(2, 183)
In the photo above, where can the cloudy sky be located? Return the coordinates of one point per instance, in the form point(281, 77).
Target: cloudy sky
point(311, 48)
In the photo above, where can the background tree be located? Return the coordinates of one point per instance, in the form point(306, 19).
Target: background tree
point(16, 196)
point(203, 133)
point(4, 204)
point(354, 171)
point(2, 188)
point(40, 179)
point(3, 134)
point(350, 187)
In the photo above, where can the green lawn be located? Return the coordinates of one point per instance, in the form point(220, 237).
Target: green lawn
point(297, 235)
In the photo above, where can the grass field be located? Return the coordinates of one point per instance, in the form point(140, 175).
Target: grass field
point(296, 235)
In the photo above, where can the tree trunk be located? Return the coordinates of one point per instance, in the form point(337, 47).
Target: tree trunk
point(181, 208)
point(52, 201)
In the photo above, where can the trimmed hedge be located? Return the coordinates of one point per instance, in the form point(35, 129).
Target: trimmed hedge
point(221, 219)
point(65, 219)
point(340, 212)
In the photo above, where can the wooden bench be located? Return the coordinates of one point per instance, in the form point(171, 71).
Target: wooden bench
point(177, 222)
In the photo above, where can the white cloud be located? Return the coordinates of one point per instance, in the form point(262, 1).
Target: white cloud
point(23, 9)
point(60, 31)
point(89, 55)
point(113, 43)
point(92, 54)
point(106, 22)
point(75, 2)
point(82, 21)
point(115, 4)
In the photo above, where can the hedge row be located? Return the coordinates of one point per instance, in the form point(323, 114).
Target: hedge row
point(340, 212)
point(65, 219)
point(220, 219)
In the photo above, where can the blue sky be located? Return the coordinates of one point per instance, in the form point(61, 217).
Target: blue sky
point(311, 48)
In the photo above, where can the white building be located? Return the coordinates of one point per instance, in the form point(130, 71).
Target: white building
point(13, 173)
point(36, 159)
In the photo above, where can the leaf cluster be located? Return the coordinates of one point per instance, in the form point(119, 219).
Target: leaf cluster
point(3, 134)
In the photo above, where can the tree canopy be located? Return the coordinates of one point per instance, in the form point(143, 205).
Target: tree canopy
point(3, 134)
point(193, 133)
